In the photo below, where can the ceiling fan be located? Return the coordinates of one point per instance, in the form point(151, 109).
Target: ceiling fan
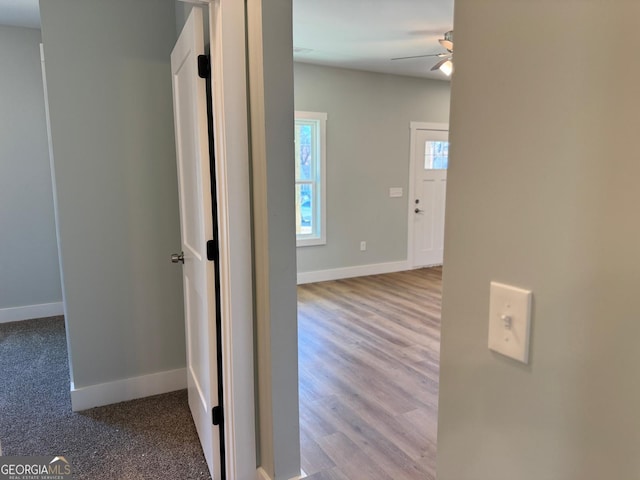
point(445, 65)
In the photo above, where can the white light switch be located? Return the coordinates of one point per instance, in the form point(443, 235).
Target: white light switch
point(509, 321)
point(395, 192)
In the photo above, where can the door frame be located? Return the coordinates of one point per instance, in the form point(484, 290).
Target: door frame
point(229, 96)
point(414, 126)
point(226, 37)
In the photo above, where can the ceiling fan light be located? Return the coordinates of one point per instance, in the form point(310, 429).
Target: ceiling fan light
point(447, 68)
point(438, 65)
point(448, 44)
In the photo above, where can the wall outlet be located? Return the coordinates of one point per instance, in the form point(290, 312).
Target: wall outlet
point(363, 246)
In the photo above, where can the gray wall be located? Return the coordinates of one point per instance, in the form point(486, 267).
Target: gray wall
point(182, 13)
point(543, 193)
point(277, 25)
point(271, 111)
point(367, 152)
point(29, 272)
point(109, 81)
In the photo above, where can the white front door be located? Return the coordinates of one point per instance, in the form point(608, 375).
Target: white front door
point(196, 226)
point(430, 152)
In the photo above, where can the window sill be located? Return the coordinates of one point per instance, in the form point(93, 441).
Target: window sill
point(310, 242)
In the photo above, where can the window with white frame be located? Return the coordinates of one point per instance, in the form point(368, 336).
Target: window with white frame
point(310, 158)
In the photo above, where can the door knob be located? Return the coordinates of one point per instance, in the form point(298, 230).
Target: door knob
point(417, 210)
point(177, 257)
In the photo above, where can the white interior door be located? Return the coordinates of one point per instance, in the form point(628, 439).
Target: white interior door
point(196, 224)
point(430, 151)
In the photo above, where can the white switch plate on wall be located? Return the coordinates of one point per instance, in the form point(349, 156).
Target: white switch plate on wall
point(509, 321)
point(395, 192)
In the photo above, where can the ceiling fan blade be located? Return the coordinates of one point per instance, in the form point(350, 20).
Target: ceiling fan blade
point(423, 56)
point(439, 64)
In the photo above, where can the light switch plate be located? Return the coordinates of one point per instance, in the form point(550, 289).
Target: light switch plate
point(395, 192)
point(509, 321)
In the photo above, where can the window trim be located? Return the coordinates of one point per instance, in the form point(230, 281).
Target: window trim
point(320, 236)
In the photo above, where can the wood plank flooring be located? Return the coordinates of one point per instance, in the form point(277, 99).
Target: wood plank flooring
point(369, 351)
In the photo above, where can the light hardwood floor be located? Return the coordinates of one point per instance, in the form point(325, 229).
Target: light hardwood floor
point(369, 359)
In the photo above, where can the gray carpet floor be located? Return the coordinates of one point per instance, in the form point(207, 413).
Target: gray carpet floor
point(150, 438)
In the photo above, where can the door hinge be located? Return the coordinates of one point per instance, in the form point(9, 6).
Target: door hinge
point(216, 415)
point(212, 250)
point(204, 66)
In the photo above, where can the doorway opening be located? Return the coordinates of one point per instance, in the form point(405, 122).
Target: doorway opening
point(369, 340)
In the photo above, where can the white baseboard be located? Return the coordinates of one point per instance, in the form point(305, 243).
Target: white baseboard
point(15, 314)
point(262, 475)
point(349, 272)
point(91, 396)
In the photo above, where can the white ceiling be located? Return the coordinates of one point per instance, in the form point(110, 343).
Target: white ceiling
point(358, 34)
point(366, 34)
point(20, 13)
